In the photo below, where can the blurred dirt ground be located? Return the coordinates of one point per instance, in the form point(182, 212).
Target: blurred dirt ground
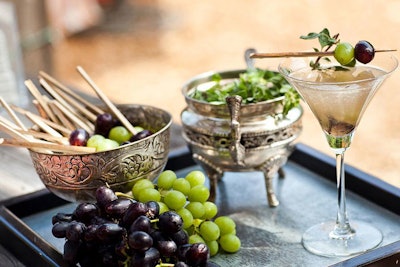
point(143, 52)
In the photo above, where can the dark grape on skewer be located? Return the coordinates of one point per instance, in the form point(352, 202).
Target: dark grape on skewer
point(364, 52)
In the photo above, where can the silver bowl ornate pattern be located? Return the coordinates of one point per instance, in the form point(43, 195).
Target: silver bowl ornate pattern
point(239, 138)
point(76, 177)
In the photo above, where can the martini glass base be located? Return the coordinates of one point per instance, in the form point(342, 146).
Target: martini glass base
point(317, 240)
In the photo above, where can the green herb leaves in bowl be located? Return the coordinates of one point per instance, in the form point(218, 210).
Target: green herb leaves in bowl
point(253, 85)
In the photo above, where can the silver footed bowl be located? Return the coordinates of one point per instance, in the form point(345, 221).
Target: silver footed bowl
point(264, 108)
point(238, 137)
point(75, 177)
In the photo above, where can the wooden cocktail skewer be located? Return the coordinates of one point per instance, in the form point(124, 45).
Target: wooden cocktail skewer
point(45, 136)
point(35, 92)
point(12, 114)
point(34, 118)
point(60, 115)
point(10, 129)
point(50, 146)
point(52, 80)
point(77, 105)
point(110, 105)
point(302, 54)
point(74, 118)
point(56, 96)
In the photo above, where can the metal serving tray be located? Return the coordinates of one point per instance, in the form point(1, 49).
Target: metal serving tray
point(270, 236)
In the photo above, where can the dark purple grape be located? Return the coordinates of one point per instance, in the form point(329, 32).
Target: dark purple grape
point(140, 135)
point(71, 252)
point(158, 236)
point(85, 212)
point(182, 250)
point(122, 248)
point(78, 137)
point(109, 259)
point(140, 241)
point(117, 207)
point(170, 222)
point(181, 264)
point(197, 254)
point(135, 210)
point(104, 195)
point(75, 231)
point(153, 209)
point(142, 223)
point(59, 229)
point(103, 124)
point(149, 258)
point(364, 52)
point(181, 237)
point(91, 233)
point(109, 232)
point(99, 220)
point(62, 217)
point(167, 248)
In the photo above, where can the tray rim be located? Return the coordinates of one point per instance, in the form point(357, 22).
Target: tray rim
point(374, 189)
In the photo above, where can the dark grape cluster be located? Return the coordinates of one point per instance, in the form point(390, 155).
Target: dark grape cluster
point(108, 134)
point(116, 231)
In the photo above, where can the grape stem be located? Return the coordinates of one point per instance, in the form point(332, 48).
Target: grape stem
point(165, 265)
point(120, 194)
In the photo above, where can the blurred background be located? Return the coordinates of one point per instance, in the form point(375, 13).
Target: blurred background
point(143, 51)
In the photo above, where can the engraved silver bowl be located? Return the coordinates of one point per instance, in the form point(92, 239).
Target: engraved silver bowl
point(76, 177)
point(263, 108)
point(237, 138)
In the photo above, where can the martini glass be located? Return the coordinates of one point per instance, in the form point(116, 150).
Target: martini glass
point(338, 99)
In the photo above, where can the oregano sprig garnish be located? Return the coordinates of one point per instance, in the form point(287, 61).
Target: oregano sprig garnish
point(326, 41)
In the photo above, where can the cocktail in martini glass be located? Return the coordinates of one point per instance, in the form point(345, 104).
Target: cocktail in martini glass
point(338, 97)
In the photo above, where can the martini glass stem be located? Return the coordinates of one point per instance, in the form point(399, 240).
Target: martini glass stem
point(342, 228)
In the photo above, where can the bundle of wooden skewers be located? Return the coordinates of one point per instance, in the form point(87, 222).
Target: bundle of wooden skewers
point(60, 112)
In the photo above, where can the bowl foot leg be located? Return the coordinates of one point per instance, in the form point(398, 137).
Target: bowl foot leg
point(270, 167)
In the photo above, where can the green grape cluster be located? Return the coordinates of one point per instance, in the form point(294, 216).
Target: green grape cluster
point(189, 197)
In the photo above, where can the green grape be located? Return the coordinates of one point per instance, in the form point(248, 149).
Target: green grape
point(195, 178)
point(197, 209)
point(195, 238)
point(140, 185)
point(95, 140)
point(230, 243)
point(166, 179)
point(175, 200)
point(199, 193)
point(213, 247)
point(119, 134)
point(107, 144)
point(138, 128)
point(209, 231)
point(344, 53)
point(163, 207)
point(182, 185)
point(149, 194)
point(226, 225)
point(210, 210)
point(187, 217)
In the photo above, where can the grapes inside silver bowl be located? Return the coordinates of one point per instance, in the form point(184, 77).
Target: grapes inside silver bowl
point(75, 177)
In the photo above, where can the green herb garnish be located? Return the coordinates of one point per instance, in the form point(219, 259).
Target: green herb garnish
point(325, 41)
point(254, 85)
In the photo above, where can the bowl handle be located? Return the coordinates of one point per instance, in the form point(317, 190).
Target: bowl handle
point(236, 149)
